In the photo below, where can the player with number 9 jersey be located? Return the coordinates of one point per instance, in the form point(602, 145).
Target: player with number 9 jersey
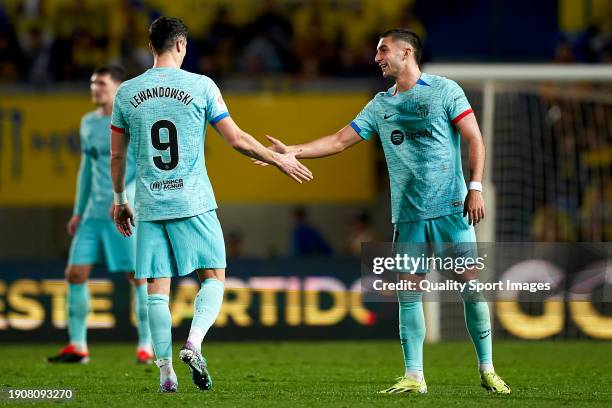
point(164, 112)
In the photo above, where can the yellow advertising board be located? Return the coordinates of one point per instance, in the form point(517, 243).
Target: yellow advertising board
point(39, 149)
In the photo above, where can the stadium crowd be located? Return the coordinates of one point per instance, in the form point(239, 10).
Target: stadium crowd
point(43, 42)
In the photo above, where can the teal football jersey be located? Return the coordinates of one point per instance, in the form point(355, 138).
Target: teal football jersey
point(164, 112)
point(422, 147)
point(94, 186)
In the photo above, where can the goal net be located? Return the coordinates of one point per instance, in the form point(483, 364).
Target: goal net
point(548, 174)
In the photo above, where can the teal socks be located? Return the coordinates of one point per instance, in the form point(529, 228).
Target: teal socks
point(207, 305)
point(411, 329)
point(478, 322)
point(160, 323)
point(78, 309)
point(142, 319)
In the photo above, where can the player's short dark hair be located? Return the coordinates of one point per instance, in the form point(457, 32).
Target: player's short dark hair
point(410, 37)
point(116, 72)
point(164, 31)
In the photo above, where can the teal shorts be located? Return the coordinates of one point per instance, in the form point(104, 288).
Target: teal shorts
point(97, 241)
point(177, 247)
point(447, 236)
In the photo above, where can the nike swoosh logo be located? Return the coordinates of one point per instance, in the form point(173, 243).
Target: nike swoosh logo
point(485, 336)
point(388, 116)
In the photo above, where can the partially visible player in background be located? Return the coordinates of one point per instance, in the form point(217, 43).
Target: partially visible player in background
point(163, 113)
point(420, 122)
point(96, 239)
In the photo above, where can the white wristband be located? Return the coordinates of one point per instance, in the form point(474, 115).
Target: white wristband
point(475, 185)
point(121, 198)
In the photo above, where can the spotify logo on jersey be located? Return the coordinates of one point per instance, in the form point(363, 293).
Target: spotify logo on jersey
point(397, 137)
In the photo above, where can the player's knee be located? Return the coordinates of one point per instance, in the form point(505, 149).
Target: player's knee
point(139, 282)
point(470, 274)
point(472, 296)
point(218, 274)
point(75, 274)
point(158, 286)
point(219, 278)
point(136, 282)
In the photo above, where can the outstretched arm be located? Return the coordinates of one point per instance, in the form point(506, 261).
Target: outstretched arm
point(323, 146)
point(470, 132)
point(249, 146)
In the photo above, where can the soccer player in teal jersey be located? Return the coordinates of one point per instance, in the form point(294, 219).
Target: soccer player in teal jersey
point(420, 121)
point(163, 113)
point(96, 239)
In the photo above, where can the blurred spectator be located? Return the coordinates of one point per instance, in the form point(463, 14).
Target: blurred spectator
point(219, 48)
point(550, 224)
point(316, 36)
point(86, 54)
point(132, 35)
point(37, 55)
point(306, 239)
point(357, 42)
point(591, 45)
point(407, 18)
point(63, 40)
point(563, 53)
point(361, 232)
point(268, 40)
point(11, 58)
point(233, 243)
point(596, 213)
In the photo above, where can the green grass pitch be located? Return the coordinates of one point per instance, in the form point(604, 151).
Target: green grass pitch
point(324, 374)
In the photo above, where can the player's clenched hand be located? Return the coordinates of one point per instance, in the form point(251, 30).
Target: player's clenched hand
point(124, 219)
point(288, 164)
point(73, 224)
point(276, 146)
point(474, 207)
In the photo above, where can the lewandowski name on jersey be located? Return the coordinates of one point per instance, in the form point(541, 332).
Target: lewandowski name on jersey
point(161, 92)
